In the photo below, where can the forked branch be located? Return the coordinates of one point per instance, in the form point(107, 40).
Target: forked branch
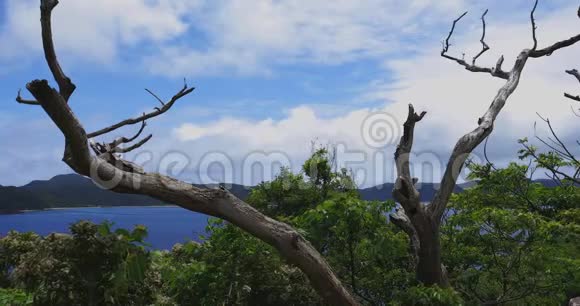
point(552, 48)
point(494, 71)
point(65, 85)
point(158, 111)
point(404, 190)
point(484, 46)
point(122, 140)
point(134, 146)
point(466, 144)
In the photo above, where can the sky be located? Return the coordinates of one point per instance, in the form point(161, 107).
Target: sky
point(274, 76)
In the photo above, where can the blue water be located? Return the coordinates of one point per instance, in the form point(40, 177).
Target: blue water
point(166, 225)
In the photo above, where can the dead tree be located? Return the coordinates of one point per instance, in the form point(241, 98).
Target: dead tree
point(106, 165)
point(422, 222)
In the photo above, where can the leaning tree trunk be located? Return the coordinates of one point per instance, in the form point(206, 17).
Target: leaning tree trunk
point(106, 168)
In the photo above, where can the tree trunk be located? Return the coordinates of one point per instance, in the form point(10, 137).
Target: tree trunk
point(429, 269)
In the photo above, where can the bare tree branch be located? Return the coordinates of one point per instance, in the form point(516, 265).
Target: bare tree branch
point(77, 154)
point(122, 140)
point(485, 47)
point(558, 148)
point(106, 151)
point(569, 96)
point(65, 85)
point(576, 74)
point(413, 219)
point(562, 145)
point(155, 96)
point(447, 44)
point(20, 100)
point(404, 190)
point(534, 27)
point(183, 92)
point(469, 141)
point(132, 147)
point(574, 112)
point(556, 46)
point(496, 71)
point(554, 171)
point(485, 153)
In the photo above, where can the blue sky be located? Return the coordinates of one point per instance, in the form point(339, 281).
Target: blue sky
point(271, 76)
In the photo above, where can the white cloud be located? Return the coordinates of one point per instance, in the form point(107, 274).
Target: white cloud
point(325, 31)
point(246, 36)
point(291, 134)
point(209, 37)
point(453, 97)
point(93, 30)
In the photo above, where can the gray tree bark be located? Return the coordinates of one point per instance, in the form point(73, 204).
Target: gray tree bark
point(422, 222)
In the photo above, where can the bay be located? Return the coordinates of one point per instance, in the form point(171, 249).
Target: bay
point(167, 225)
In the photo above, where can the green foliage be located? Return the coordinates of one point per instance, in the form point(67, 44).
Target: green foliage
point(318, 167)
point(290, 194)
point(14, 297)
point(12, 248)
point(319, 170)
point(287, 195)
point(555, 160)
point(429, 296)
point(92, 266)
point(365, 251)
point(510, 240)
point(231, 268)
point(505, 241)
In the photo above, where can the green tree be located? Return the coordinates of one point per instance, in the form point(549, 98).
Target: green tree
point(509, 240)
point(367, 252)
point(231, 267)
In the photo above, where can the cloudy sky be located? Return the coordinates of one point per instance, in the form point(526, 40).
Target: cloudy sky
point(273, 76)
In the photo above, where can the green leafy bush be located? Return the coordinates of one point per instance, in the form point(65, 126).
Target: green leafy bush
point(14, 297)
point(92, 266)
point(429, 296)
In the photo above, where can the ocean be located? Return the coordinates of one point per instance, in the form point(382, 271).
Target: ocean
point(166, 225)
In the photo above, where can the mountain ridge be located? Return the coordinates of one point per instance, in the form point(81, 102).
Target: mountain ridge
point(73, 190)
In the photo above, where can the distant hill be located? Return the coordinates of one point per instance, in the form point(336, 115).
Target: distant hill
point(72, 190)
point(383, 192)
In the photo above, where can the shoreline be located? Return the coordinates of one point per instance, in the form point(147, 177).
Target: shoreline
point(21, 211)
